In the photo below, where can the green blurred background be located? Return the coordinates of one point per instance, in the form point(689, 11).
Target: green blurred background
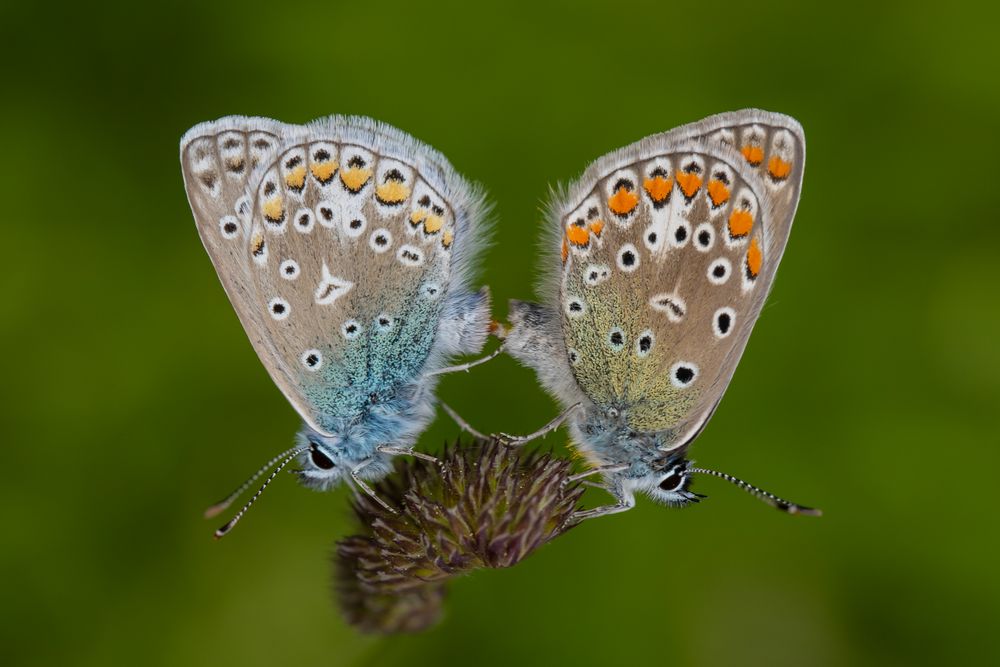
point(131, 397)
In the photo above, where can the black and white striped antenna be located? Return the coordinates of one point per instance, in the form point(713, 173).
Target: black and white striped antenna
point(285, 457)
point(759, 493)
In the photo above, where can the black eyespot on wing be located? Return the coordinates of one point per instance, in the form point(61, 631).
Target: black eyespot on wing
point(312, 360)
point(724, 321)
point(393, 175)
point(424, 201)
point(293, 162)
point(680, 234)
point(617, 338)
point(645, 343)
point(719, 270)
point(652, 237)
point(322, 155)
point(684, 374)
point(355, 224)
point(704, 238)
point(230, 227)
point(628, 258)
point(356, 162)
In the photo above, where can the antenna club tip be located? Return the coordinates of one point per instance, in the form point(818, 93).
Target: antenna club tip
point(805, 511)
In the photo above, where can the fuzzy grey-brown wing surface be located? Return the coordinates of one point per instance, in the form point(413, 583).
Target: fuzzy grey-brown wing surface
point(670, 247)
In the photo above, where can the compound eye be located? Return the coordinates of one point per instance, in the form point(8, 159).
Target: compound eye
point(674, 481)
point(321, 460)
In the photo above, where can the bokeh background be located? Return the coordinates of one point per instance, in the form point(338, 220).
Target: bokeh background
point(131, 397)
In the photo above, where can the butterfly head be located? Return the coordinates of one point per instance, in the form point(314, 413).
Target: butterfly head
point(325, 461)
point(669, 483)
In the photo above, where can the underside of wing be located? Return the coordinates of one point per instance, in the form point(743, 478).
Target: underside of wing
point(668, 248)
point(340, 257)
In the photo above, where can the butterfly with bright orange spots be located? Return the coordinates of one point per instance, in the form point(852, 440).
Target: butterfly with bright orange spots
point(664, 252)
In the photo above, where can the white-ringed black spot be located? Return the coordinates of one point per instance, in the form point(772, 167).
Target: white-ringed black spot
point(289, 269)
point(722, 321)
point(432, 290)
point(354, 225)
point(325, 213)
point(683, 373)
point(595, 274)
point(616, 339)
point(384, 323)
point(680, 234)
point(719, 271)
point(304, 220)
point(670, 304)
point(704, 237)
point(350, 329)
point(312, 360)
point(628, 258)
point(278, 308)
point(575, 306)
point(644, 343)
point(410, 256)
point(574, 356)
point(381, 240)
point(229, 226)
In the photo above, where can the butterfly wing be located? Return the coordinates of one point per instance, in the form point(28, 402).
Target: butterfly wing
point(346, 253)
point(667, 250)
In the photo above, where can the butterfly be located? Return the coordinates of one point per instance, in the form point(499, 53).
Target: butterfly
point(659, 259)
point(347, 248)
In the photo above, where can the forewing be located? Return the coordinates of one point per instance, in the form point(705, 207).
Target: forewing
point(669, 248)
point(343, 262)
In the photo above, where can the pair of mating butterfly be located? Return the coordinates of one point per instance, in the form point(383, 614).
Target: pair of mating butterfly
point(347, 248)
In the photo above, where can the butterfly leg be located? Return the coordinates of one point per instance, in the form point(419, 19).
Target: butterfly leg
point(466, 366)
point(600, 470)
point(462, 424)
point(361, 484)
point(406, 451)
point(518, 440)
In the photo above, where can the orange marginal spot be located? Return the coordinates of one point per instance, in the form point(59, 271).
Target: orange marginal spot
point(718, 192)
point(274, 208)
point(597, 226)
point(658, 187)
point(323, 171)
point(432, 224)
point(778, 168)
point(689, 183)
point(622, 202)
point(740, 222)
point(296, 178)
point(355, 178)
point(392, 192)
point(447, 238)
point(754, 258)
point(565, 251)
point(418, 216)
point(257, 243)
point(753, 154)
point(578, 235)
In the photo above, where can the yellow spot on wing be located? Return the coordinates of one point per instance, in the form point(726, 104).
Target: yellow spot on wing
point(753, 154)
point(597, 226)
point(622, 201)
point(689, 183)
point(418, 216)
point(392, 192)
point(323, 171)
point(432, 224)
point(296, 178)
point(355, 178)
point(718, 192)
point(447, 238)
point(274, 208)
point(578, 235)
point(658, 187)
point(778, 168)
point(754, 258)
point(740, 222)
